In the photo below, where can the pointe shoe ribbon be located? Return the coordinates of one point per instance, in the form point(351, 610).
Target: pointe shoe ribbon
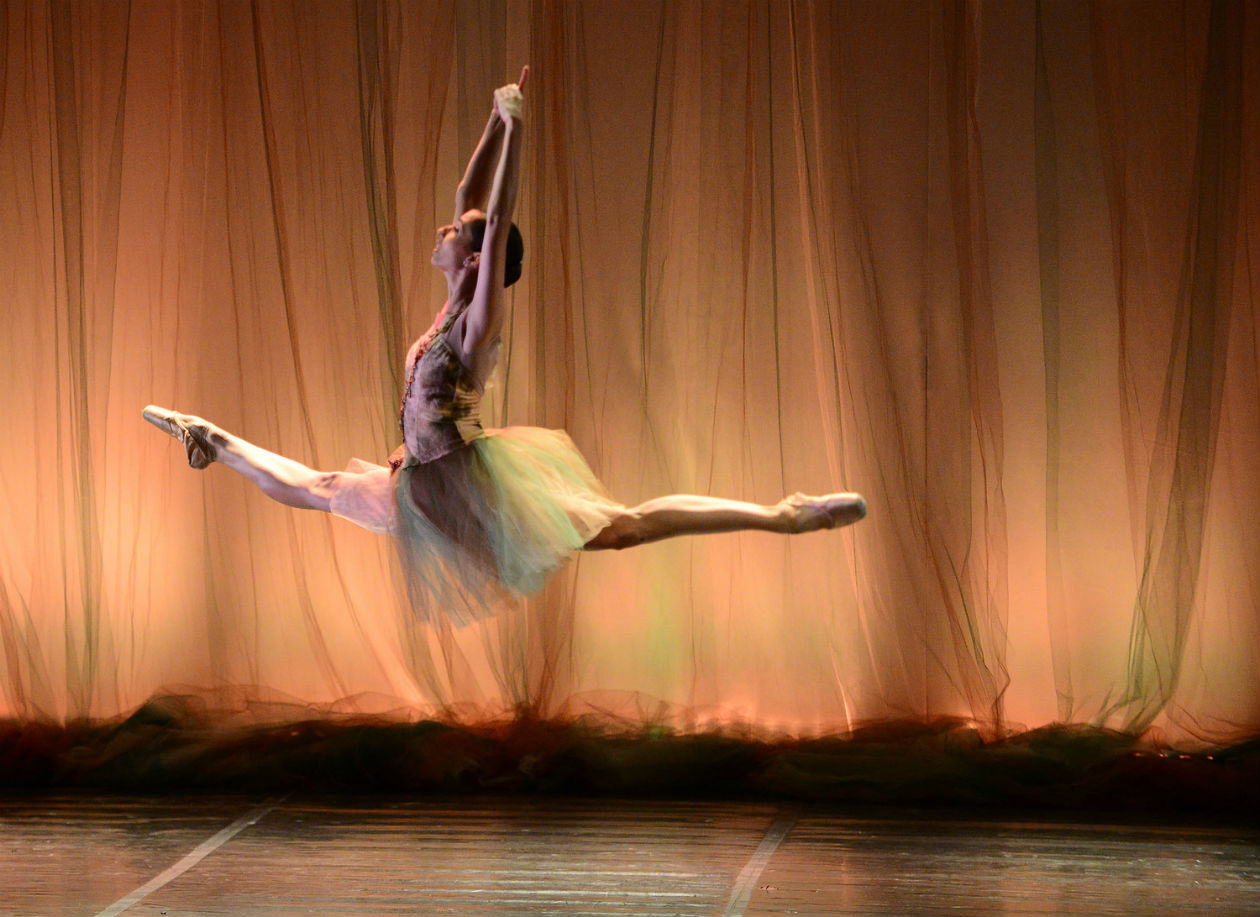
point(198, 446)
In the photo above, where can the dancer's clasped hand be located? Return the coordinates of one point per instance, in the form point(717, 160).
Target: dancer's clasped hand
point(509, 99)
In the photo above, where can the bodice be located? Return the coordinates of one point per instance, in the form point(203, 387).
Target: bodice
point(441, 406)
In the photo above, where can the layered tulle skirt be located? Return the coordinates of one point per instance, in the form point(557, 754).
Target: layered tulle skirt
point(485, 524)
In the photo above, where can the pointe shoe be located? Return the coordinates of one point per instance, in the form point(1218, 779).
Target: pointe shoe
point(830, 511)
point(193, 432)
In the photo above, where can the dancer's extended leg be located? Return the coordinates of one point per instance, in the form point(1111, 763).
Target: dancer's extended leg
point(280, 478)
point(687, 514)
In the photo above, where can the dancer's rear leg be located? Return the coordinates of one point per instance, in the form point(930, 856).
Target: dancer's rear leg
point(280, 478)
point(687, 514)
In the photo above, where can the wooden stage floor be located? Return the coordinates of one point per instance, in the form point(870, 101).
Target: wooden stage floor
point(232, 855)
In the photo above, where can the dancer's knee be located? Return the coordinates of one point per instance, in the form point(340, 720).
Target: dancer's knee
point(323, 486)
point(625, 531)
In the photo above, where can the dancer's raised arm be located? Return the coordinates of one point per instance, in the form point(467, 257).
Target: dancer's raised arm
point(474, 187)
point(484, 319)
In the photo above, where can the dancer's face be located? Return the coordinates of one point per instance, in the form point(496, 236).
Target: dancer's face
point(454, 244)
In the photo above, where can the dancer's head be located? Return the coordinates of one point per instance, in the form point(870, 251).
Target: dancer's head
point(459, 246)
point(515, 248)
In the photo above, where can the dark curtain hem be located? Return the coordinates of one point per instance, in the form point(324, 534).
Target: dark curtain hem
point(1070, 770)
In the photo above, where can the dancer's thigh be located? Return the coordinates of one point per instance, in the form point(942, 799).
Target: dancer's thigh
point(364, 495)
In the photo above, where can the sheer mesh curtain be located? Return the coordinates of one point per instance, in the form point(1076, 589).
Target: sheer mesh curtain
point(994, 265)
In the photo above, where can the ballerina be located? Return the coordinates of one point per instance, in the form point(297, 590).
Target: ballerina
point(481, 515)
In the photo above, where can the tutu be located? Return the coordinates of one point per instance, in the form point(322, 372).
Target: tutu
point(483, 524)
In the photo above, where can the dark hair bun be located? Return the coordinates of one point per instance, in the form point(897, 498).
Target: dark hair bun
point(515, 249)
point(515, 255)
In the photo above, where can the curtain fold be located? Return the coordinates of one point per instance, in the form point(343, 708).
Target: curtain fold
point(991, 264)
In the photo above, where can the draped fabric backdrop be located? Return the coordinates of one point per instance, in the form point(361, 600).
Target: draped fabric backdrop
point(993, 265)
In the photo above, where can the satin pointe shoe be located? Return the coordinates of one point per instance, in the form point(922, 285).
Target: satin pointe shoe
point(192, 432)
point(829, 511)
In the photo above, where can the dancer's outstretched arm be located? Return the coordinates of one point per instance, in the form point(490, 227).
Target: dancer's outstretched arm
point(280, 478)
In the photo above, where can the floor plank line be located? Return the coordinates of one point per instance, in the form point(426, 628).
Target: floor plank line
point(746, 881)
point(195, 856)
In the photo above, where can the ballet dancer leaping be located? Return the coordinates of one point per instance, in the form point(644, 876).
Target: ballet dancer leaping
point(479, 511)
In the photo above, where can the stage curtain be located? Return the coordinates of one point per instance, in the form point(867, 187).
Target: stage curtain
point(993, 265)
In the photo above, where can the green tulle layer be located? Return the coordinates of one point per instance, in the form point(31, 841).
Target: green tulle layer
point(493, 520)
